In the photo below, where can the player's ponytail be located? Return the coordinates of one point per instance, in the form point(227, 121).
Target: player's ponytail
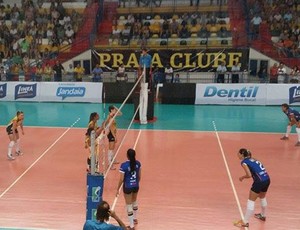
point(245, 152)
point(131, 158)
point(92, 116)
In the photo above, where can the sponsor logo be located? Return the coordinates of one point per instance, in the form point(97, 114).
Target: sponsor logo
point(294, 94)
point(3, 90)
point(25, 91)
point(94, 214)
point(65, 92)
point(245, 94)
point(96, 194)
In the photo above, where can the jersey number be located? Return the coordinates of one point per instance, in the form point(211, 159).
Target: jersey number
point(133, 175)
point(260, 165)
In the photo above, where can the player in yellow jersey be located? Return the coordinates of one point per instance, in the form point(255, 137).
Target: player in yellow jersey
point(112, 133)
point(92, 126)
point(13, 134)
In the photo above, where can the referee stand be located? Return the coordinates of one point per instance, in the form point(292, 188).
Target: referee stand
point(95, 183)
point(144, 99)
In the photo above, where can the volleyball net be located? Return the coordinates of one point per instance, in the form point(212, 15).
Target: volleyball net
point(102, 157)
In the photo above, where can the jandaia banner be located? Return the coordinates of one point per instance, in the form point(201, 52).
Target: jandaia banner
point(200, 60)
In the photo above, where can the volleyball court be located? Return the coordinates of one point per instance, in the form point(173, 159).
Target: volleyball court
point(189, 178)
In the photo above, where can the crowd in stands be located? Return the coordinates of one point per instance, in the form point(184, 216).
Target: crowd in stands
point(31, 34)
point(279, 74)
point(283, 18)
point(142, 27)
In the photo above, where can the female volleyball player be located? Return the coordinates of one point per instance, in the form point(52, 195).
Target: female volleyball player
point(130, 176)
point(92, 126)
point(13, 134)
point(294, 117)
point(261, 181)
point(112, 133)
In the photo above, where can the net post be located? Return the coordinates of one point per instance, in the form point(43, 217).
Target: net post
point(93, 154)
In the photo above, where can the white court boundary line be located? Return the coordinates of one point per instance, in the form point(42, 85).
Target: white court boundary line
point(134, 147)
point(34, 163)
point(228, 172)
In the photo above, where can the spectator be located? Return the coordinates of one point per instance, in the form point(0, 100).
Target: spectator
point(165, 31)
point(125, 35)
point(169, 74)
point(39, 72)
point(177, 78)
point(102, 216)
point(69, 35)
point(280, 48)
point(97, 74)
point(58, 70)
point(234, 75)
point(70, 73)
point(184, 32)
point(174, 27)
point(256, 21)
point(2, 74)
point(221, 70)
point(263, 73)
point(121, 75)
point(48, 72)
point(281, 74)
point(294, 75)
point(78, 72)
point(273, 73)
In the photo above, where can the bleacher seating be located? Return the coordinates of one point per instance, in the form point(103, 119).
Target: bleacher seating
point(155, 27)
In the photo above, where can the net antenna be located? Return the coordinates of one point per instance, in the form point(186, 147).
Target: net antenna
point(96, 142)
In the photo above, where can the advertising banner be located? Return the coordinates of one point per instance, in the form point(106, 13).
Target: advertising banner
point(231, 94)
point(71, 92)
point(194, 60)
point(19, 91)
point(283, 93)
point(51, 91)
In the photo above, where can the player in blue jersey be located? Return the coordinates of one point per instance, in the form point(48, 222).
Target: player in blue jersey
point(294, 118)
point(130, 176)
point(261, 181)
point(102, 216)
point(13, 134)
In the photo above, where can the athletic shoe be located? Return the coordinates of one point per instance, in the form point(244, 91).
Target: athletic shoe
point(298, 143)
point(284, 138)
point(135, 221)
point(260, 217)
point(10, 157)
point(19, 153)
point(240, 224)
point(129, 228)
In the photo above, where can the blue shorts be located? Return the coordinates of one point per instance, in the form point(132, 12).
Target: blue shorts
point(260, 186)
point(130, 190)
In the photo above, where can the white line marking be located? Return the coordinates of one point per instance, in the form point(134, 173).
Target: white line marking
point(33, 164)
point(134, 147)
point(228, 172)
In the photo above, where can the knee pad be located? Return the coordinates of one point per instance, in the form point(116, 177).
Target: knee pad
point(129, 210)
point(135, 206)
point(263, 202)
point(250, 205)
point(11, 144)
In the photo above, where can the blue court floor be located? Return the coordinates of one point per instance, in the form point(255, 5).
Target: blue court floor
point(169, 117)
